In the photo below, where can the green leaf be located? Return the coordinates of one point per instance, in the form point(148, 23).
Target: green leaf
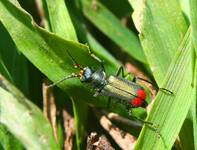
point(104, 20)
point(13, 63)
point(41, 47)
point(81, 115)
point(100, 51)
point(186, 134)
point(169, 111)
point(8, 141)
point(59, 19)
point(24, 119)
point(114, 7)
point(194, 112)
point(162, 27)
point(193, 20)
point(48, 53)
point(185, 8)
point(193, 12)
point(4, 70)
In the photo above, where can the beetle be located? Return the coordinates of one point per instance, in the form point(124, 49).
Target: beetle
point(131, 94)
point(112, 86)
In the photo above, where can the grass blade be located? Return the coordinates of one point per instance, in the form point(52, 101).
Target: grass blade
point(193, 20)
point(186, 134)
point(193, 12)
point(59, 19)
point(46, 49)
point(194, 112)
point(13, 63)
point(186, 9)
point(111, 26)
point(8, 141)
point(162, 27)
point(41, 49)
point(32, 128)
point(169, 111)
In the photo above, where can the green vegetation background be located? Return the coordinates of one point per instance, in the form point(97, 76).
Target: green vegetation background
point(159, 37)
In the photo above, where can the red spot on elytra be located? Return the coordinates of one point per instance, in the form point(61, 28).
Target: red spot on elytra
point(139, 99)
point(141, 94)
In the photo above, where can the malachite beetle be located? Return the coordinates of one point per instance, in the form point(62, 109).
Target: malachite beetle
point(128, 92)
point(112, 86)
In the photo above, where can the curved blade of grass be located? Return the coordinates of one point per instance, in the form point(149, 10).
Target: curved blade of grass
point(162, 27)
point(169, 111)
point(112, 27)
point(185, 9)
point(60, 20)
point(48, 53)
point(24, 119)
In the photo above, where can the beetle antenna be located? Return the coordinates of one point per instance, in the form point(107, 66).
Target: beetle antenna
point(73, 75)
point(76, 65)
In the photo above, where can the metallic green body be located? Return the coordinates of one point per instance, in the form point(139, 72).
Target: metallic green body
point(120, 88)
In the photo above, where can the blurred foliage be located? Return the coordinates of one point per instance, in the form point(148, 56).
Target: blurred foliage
point(156, 37)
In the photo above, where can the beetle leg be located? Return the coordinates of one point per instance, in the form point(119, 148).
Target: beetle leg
point(120, 71)
point(123, 75)
point(136, 118)
point(98, 91)
point(149, 124)
point(96, 94)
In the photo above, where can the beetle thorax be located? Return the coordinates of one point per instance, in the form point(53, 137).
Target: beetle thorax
point(96, 78)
